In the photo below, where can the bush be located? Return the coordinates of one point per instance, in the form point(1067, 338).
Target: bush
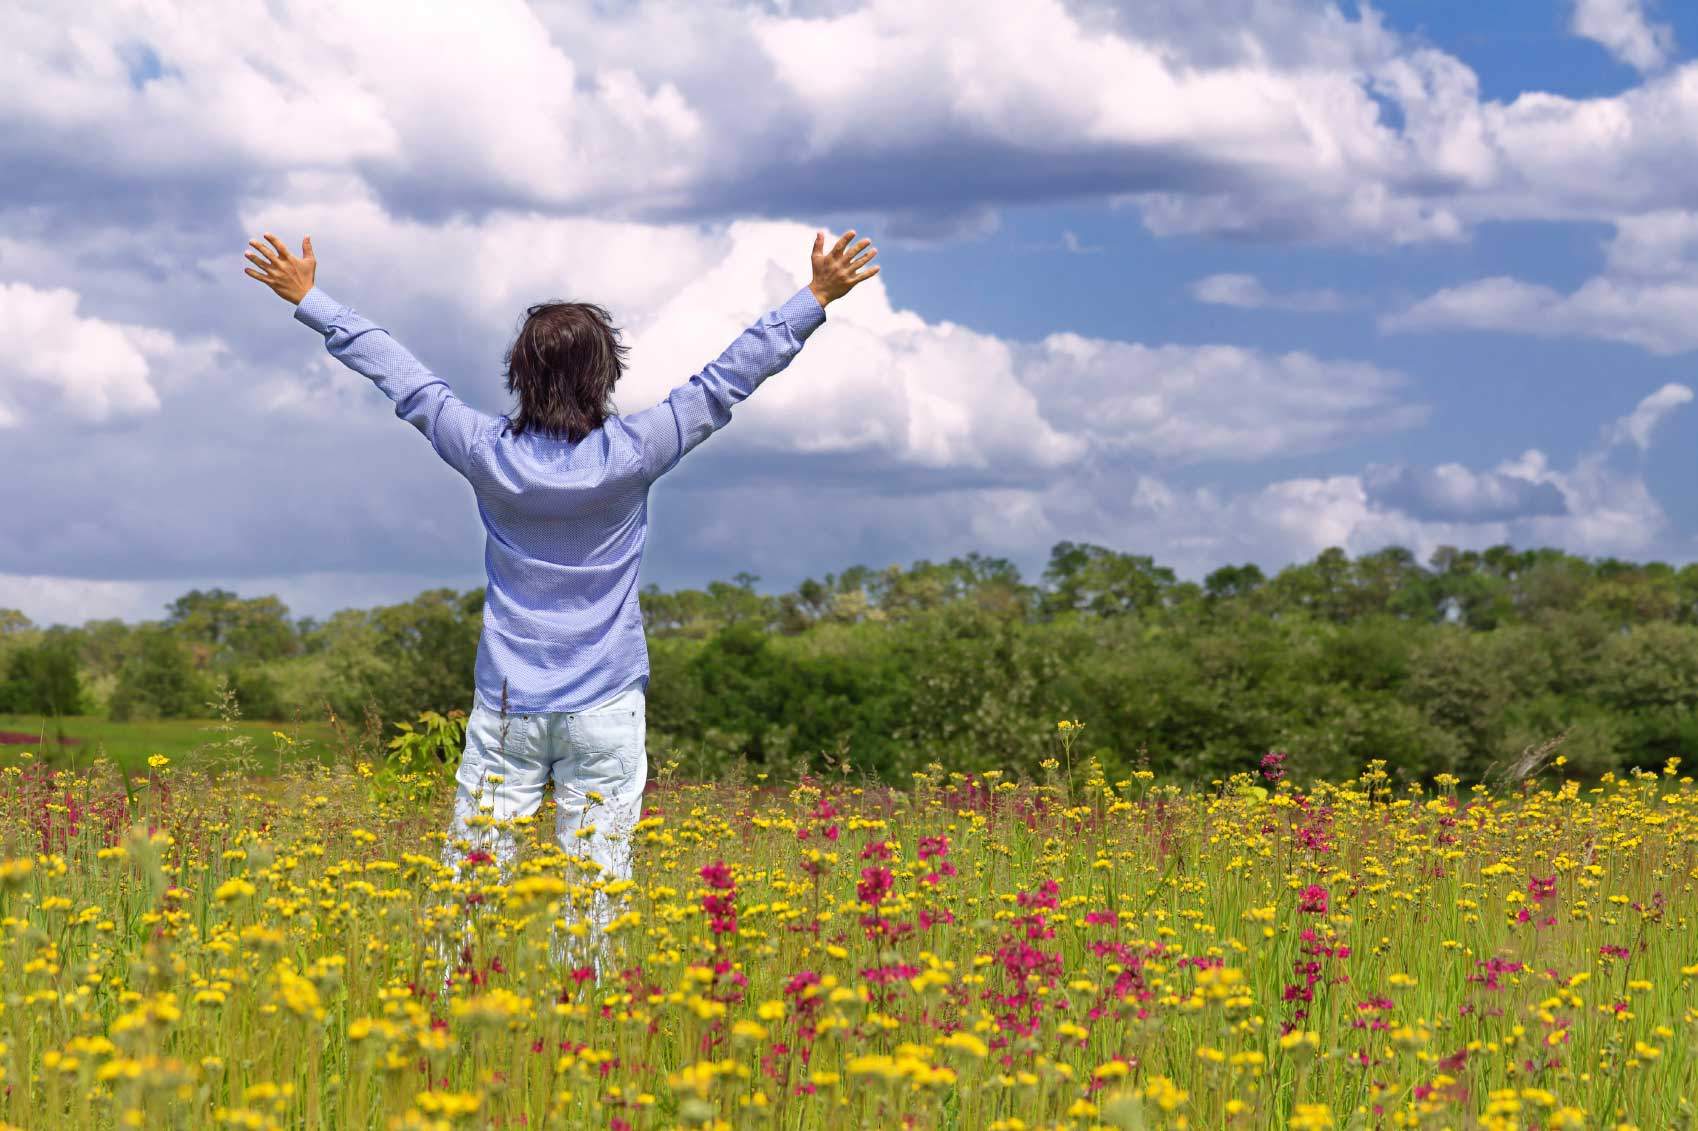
point(43, 679)
point(159, 681)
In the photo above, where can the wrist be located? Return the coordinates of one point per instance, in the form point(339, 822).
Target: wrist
point(819, 294)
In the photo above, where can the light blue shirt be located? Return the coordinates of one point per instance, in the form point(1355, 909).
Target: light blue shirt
point(566, 523)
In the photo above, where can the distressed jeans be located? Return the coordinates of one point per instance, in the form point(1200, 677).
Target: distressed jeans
point(507, 761)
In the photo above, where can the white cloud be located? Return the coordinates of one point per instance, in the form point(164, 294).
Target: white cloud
point(880, 382)
point(1266, 118)
point(271, 88)
point(1070, 242)
point(1274, 130)
point(1187, 403)
point(586, 149)
point(283, 453)
point(1637, 426)
point(91, 368)
point(1656, 245)
point(1623, 29)
point(1248, 293)
point(49, 599)
point(1655, 315)
point(1453, 492)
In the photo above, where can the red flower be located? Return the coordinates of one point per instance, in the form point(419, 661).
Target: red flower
point(874, 886)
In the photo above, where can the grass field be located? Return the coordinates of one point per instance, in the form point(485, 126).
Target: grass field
point(130, 744)
point(967, 952)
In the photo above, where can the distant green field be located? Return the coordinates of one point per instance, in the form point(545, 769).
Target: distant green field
point(205, 742)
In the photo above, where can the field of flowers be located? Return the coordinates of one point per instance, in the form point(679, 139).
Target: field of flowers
point(967, 951)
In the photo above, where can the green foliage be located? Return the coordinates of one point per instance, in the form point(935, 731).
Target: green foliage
point(43, 679)
point(427, 754)
point(1452, 665)
point(160, 681)
point(402, 659)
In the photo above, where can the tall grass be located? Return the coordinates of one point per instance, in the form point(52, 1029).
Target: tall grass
point(191, 949)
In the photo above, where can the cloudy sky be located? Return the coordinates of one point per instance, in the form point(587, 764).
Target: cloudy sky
point(1223, 281)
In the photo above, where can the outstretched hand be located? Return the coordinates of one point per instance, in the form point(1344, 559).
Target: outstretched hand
point(290, 276)
point(838, 271)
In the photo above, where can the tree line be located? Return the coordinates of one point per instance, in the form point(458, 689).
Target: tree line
point(1449, 665)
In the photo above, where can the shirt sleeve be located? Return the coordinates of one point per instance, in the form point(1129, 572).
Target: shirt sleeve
point(421, 398)
point(702, 405)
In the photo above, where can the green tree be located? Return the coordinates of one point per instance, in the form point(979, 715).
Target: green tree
point(43, 678)
point(160, 680)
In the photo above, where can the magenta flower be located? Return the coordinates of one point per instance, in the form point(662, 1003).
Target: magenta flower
point(874, 886)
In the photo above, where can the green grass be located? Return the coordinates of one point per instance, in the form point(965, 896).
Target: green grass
point(203, 742)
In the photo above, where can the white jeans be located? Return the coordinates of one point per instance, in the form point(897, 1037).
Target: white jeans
point(507, 761)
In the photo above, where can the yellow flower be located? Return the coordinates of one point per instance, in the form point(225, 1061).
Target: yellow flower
point(965, 1042)
point(1312, 1117)
point(233, 889)
point(158, 761)
point(450, 1105)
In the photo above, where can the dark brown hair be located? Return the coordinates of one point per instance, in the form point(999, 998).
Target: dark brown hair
point(562, 366)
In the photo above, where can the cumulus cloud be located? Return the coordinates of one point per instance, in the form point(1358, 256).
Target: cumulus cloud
point(1248, 293)
point(59, 359)
point(1452, 492)
point(1302, 123)
point(1622, 28)
point(1596, 503)
point(293, 466)
point(584, 149)
point(1654, 314)
point(1188, 403)
point(882, 383)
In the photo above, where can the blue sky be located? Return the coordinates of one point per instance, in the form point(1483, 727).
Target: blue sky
point(1229, 281)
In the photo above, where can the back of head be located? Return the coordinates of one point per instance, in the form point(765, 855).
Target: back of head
point(562, 366)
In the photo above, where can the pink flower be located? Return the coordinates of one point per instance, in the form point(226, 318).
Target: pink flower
point(874, 886)
point(1313, 901)
point(720, 904)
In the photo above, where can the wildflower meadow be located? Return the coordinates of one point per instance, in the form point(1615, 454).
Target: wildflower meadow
point(187, 949)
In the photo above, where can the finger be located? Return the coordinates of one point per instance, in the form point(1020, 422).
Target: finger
point(863, 276)
point(258, 262)
point(306, 247)
point(819, 242)
point(282, 251)
point(864, 258)
point(252, 274)
point(264, 251)
point(859, 248)
point(843, 242)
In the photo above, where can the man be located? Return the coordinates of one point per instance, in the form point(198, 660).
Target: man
point(562, 487)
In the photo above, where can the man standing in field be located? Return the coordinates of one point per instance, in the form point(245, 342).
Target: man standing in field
point(562, 487)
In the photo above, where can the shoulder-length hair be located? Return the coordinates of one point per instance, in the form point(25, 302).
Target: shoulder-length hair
point(562, 366)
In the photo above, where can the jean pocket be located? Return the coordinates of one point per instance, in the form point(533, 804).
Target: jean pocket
point(609, 742)
point(498, 738)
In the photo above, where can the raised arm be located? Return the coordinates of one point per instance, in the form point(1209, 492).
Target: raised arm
point(702, 405)
point(421, 398)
